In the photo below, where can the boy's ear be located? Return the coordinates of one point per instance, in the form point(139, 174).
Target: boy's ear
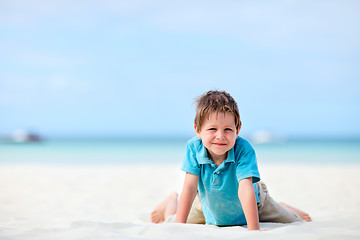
point(237, 132)
point(196, 131)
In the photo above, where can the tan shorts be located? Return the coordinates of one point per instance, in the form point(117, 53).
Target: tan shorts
point(269, 210)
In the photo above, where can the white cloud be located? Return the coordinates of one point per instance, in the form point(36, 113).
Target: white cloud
point(16, 91)
point(59, 82)
point(330, 25)
point(29, 55)
point(284, 24)
point(75, 13)
point(279, 23)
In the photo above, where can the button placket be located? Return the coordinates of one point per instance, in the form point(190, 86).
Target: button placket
point(216, 178)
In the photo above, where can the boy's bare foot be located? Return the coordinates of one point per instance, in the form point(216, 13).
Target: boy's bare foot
point(165, 209)
point(302, 214)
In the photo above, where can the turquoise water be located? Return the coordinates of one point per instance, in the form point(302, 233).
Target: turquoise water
point(168, 151)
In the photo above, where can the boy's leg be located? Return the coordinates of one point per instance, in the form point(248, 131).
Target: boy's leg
point(302, 214)
point(165, 209)
point(271, 211)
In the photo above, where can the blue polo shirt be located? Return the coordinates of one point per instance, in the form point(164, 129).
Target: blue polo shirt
point(218, 185)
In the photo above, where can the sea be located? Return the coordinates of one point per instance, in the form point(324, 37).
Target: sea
point(169, 151)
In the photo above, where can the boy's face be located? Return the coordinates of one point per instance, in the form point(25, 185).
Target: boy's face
point(218, 134)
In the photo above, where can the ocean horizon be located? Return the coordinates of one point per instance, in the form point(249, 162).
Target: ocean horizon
point(170, 151)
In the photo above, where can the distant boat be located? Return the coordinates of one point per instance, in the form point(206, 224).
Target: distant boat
point(21, 136)
point(263, 136)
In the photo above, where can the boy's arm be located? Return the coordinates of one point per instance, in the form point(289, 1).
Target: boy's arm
point(187, 197)
point(248, 201)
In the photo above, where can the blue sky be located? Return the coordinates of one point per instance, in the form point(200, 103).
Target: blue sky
point(120, 68)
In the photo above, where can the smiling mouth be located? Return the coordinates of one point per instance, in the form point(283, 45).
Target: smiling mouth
point(220, 144)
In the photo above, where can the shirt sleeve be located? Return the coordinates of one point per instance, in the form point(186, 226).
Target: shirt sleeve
point(190, 163)
point(247, 165)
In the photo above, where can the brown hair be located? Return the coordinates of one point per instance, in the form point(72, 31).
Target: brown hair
point(215, 101)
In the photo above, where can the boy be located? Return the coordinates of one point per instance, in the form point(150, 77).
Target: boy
point(221, 167)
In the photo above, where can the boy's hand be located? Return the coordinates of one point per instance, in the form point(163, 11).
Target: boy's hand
point(248, 201)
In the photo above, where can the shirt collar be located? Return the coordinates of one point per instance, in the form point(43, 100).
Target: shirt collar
point(203, 158)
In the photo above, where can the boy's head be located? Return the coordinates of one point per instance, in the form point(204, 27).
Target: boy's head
point(215, 101)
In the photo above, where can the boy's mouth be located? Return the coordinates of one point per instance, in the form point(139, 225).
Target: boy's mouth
point(220, 144)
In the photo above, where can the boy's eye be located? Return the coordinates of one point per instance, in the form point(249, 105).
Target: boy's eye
point(212, 129)
point(228, 129)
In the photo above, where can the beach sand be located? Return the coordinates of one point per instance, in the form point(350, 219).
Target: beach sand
point(115, 201)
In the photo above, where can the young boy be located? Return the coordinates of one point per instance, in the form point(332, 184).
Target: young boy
point(222, 174)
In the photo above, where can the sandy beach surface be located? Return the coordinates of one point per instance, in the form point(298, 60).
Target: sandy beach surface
point(114, 202)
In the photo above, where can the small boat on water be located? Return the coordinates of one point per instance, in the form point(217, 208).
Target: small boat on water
point(21, 136)
point(25, 136)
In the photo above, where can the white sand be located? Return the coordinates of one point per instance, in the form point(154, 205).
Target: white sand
point(114, 202)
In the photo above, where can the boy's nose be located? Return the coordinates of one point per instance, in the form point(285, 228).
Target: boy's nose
point(220, 134)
